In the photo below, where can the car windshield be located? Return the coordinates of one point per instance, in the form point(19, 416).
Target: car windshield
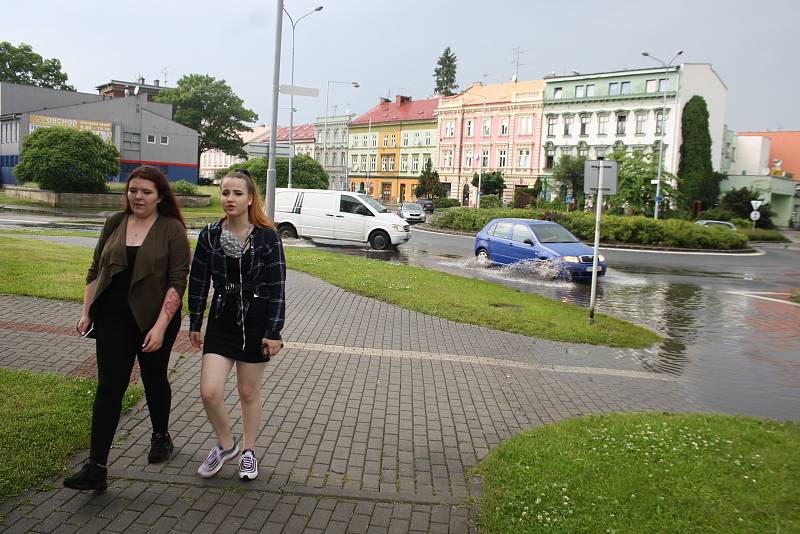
point(552, 233)
point(412, 207)
point(374, 204)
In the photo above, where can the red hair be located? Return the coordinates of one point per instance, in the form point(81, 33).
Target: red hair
point(168, 206)
point(255, 211)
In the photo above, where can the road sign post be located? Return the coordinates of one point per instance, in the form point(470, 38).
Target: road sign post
point(754, 216)
point(599, 177)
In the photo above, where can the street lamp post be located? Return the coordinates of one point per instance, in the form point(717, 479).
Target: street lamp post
point(291, 97)
point(269, 200)
point(325, 124)
point(663, 125)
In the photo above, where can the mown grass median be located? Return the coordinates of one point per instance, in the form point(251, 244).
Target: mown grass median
point(51, 270)
point(44, 419)
point(644, 473)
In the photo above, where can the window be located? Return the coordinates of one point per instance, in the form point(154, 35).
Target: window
point(385, 140)
point(502, 155)
point(164, 139)
point(503, 230)
point(590, 90)
point(469, 128)
point(567, 123)
point(364, 141)
point(602, 124)
point(405, 138)
point(585, 124)
point(523, 158)
point(327, 158)
point(549, 158)
point(391, 163)
point(372, 161)
point(557, 92)
point(566, 151)
point(520, 233)
point(526, 125)
point(503, 126)
point(343, 158)
point(404, 164)
point(447, 157)
point(354, 162)
point(613, 88)
point(151, 139)
point(663, 84)
point(641, 121)
point(383, 163)
point(625, 88)
point(131, 141)
point(487, 126)
point(600, 152)
point(659, 122)
point(580, 91)
point(428, 138)
point(650, 86)
point(551, 125)
point(416, 138)
point(468, 159)
point(485, 158)
point(394, 140)
point(348, 204)
point(374, 140)
point(449, 129)
point(415, 163)
point(622, 119)
point(583, 151)
point(363, 166)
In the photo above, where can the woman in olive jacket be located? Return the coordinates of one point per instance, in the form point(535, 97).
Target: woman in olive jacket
point(131, 305)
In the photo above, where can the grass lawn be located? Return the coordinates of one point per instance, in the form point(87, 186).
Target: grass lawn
point(645, 473)
point(44, 419)
point(60, 271)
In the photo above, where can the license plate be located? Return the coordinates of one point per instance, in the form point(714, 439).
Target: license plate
point(589, 269)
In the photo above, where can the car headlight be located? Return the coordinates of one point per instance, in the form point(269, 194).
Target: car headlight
point(398, 227)
point(571, 259)
point(600, 257)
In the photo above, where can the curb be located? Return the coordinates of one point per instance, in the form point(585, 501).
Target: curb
point(749, 250)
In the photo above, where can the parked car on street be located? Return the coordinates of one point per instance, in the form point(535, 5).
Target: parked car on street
point(426, 203)
point(411, 212)
point(509, 241)
point(716, 224)
point(338, 215)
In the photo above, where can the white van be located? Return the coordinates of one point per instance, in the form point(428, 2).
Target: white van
point(341, 215)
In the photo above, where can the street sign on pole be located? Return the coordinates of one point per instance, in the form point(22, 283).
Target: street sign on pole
point(756, 204)
point(591, 176)
point(755, 215)
point(298, 90)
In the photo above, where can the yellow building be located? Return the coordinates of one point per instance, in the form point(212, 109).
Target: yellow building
point(388, 148)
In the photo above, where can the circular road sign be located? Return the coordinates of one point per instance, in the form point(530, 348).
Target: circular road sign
point(755, 215)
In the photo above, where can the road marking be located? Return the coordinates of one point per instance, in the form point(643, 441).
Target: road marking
point(755, 296)
point(479, 360)
point(441, 233)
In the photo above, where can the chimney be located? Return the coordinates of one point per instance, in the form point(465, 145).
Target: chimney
point(156, 82)
point(399, 99)
point(141, 80)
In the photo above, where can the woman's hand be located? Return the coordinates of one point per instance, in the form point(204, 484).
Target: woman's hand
point(196, 338)
point(270, 347)
point(83, 324)
point(153, 339)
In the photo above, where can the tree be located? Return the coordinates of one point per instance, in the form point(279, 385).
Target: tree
point(210, 107)
point(428, 185)
point(492, 183)
point(635, 193)
point(307, 173)
point(20, 64)
point(445, 73)
point(698, 180)
point(67, 160)
point(568, 173)
point(737, 201)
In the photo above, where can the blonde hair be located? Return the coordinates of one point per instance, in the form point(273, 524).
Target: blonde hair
point(255, 211)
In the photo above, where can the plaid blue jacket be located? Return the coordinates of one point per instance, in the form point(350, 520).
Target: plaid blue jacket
point(265, 278)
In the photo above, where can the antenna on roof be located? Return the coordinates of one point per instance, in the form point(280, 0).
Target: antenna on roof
point(164, 73)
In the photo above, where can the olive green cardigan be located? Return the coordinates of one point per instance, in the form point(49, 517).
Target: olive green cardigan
point(161, 262)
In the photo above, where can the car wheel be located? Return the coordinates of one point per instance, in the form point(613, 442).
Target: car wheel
point(483, 256)
point(380, 240)
point(287, 231)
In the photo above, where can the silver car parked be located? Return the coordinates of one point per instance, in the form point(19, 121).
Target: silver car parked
point(411, 212)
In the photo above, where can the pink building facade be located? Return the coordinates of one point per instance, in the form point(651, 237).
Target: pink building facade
point(493, 127)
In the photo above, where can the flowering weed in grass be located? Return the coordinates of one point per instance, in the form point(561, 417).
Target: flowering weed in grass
point(645, 473)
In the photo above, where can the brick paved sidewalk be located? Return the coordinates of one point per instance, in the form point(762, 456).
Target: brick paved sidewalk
point(372, 418)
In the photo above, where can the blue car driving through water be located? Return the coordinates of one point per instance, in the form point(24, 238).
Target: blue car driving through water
point(510, 241)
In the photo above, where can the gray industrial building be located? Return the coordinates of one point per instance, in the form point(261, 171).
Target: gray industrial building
point(143, 131)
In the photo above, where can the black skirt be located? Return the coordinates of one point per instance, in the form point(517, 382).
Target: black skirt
point(224, 336)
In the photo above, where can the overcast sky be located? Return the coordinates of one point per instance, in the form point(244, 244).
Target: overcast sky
point(391, 47)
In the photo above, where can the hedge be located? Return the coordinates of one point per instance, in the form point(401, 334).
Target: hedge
point(614, 229)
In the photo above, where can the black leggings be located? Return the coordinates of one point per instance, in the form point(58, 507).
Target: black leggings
point(119, 343)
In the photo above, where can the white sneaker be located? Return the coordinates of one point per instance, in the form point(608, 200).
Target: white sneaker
point(217, 458)
point(248, 465)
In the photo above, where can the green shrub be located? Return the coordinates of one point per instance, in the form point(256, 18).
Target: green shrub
point(490, 201)
point(446, 202)
point(183, 187)
point(717, 214)
point(762, 234)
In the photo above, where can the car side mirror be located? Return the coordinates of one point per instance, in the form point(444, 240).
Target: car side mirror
point(528, 242)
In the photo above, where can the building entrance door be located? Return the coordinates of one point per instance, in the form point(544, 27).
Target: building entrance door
point(386, 192)
point(402, 193)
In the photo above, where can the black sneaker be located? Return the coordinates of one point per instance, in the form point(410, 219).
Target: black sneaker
point(91, 477)
point(160, 448)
